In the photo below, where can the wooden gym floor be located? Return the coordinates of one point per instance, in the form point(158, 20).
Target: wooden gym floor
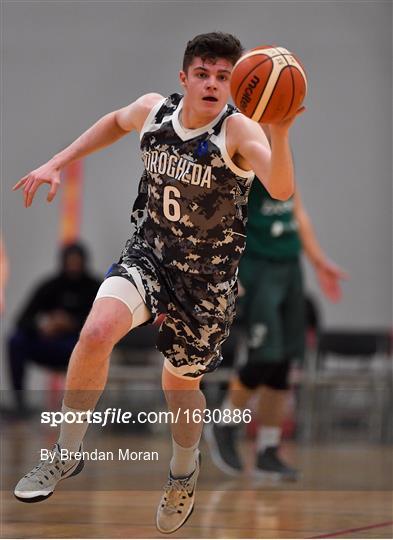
point(345, 492)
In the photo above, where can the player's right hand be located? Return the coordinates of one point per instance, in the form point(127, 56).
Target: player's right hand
point(285, 124)
point(46, 174)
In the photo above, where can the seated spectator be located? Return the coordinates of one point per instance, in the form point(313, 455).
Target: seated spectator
point(48, 327)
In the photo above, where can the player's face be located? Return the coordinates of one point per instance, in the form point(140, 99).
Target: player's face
point(207, 84)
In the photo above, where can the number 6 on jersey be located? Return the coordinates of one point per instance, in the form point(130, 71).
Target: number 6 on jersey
point(171, 206)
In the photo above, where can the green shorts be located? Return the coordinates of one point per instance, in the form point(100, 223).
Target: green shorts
point(273, 309)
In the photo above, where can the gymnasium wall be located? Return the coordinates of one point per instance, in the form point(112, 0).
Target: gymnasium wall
point(65, 64)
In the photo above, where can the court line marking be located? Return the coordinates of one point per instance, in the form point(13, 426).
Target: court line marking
point(356, 529)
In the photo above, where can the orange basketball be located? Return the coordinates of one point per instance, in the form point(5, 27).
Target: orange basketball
point(268, 84)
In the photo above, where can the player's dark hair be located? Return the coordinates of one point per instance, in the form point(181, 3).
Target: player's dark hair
point(212, 46)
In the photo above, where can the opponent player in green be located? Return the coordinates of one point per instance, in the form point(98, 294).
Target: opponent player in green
point(273, 309)
point(200, 156)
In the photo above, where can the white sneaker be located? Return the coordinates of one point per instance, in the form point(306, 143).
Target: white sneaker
point(40, 482)
point(177, 502)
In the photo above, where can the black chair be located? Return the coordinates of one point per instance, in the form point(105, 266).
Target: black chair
point(352, 384)
point(363, 345)
point(135, 357)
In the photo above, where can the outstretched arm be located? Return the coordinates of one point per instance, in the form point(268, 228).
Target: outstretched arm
point(109, 129)
point(328, 273)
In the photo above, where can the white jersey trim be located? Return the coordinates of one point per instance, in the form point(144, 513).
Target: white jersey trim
point(148, 123)
point(220, 141)
point(188, 134)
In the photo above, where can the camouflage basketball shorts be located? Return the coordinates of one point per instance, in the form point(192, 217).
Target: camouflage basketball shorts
point(199, 311)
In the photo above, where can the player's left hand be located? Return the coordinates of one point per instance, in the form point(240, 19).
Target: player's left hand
point(329, 277)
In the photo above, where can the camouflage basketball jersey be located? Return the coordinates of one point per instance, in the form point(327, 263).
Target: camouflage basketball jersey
point(192, 203)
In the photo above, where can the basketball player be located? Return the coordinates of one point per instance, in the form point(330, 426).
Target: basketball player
point(200, 156)
point(273, 306)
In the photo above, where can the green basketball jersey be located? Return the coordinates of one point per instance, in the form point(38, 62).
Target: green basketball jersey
point(271, 229)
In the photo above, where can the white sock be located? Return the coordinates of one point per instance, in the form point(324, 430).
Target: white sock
point(268, 436)
point(71, 434)
point(183, 459)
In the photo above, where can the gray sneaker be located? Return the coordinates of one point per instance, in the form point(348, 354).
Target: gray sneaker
point(177, 502)
point(270, 464)
point(40, 482)
point(222, 443)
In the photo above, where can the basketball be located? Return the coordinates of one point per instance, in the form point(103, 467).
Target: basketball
point(268, 84)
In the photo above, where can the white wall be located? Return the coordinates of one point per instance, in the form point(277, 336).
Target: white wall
point(65, 64)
